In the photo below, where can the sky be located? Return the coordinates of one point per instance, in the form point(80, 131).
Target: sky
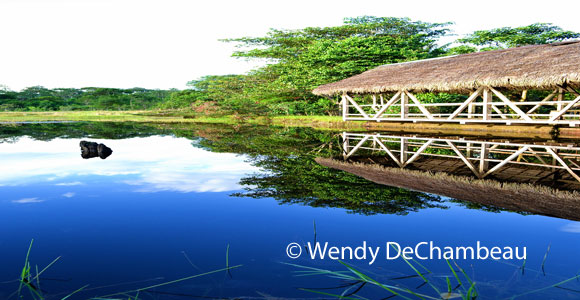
point(148, 165)
point(165, 44)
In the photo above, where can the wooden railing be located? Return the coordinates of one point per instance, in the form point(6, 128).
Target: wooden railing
point(484, 105)
point(483, 158)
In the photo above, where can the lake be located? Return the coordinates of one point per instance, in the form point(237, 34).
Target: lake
point(175, 201)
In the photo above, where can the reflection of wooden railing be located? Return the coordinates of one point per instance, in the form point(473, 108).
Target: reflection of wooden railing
point(481, 157)
point(480, 107)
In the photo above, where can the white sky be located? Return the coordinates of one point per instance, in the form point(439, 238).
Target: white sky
point(153, 164)
point(164, 44)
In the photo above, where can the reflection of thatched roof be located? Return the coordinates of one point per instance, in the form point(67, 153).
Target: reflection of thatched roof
point(533, 67)
point(510, 196)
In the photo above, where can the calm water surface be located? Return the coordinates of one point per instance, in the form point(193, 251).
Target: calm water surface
point(170, 199)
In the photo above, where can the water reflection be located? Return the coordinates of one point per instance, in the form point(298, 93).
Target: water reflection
point(538, 177)
point(147, 165)
point(175, 189)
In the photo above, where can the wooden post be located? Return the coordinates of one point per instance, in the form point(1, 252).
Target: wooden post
point(403, 151)
point(487, 97)
point(404, 107)
point(483, 163)
point(470, 110)
point(560, 98)
point(344, 103)
point(345, 144)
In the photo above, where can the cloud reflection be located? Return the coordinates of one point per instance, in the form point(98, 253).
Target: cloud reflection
point(571, 227)
point(27, 200)
point(151, 164)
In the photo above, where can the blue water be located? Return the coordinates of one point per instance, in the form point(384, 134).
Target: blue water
point(161, 208)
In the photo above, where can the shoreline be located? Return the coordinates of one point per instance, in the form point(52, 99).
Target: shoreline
point(316, 122)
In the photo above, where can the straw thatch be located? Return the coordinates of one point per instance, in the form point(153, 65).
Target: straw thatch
point(511, 196)
point(529, 67)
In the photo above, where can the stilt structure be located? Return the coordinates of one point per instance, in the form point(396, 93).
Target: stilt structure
point(526, 85)
point(483, 158)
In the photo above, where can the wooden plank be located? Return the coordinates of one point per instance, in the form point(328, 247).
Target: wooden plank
point(563, 163)
point(416, 155)
point(404, 107)
point(483, 154)
point(360, 110)
point(563, 111)
point(511, 105)
point(548, 98)
point(374, 107)
point(560, 98)
point(464, 159)
point(498, 112)
point(420, 106)
point(505, 161)
point(393, 157)
point(487, 96)
point(344, 108)
point(386, 106)
point(465, 104)
point(357, 146)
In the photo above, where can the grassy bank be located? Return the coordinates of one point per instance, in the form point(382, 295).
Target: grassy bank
point(329, 122)
point(317, 122)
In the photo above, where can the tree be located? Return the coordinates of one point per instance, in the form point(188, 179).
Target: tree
point(302, 59)
point(507, 37)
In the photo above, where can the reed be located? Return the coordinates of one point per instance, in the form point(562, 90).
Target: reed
point(29, 282)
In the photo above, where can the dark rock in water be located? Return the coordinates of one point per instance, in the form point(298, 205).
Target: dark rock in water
point(104, 151)
point(92, 149)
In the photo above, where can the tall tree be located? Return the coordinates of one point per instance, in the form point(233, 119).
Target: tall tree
point(507, 37)
point(302, 59)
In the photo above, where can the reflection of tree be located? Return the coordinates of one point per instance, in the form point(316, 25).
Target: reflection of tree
point(97, 130)
point(291, 176)
point(300, 180)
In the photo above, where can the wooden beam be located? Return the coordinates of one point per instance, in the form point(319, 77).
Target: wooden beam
point(358, 146)
point(483, 153)
point(404, 107)
point(560, 98)
point(393, 157)
point(563, 111)
point(511, 105)
point(416, 155)
point(403, 152)
point(374, 106)
point(487, 97)
point(548, 98)
point(360, 110)
point(464, 159)
point(344, 107)
point(498, 112)
point(420, 106)
point(386, 106)
point(507, 160)
point(563, 163)
point(465, 104)
point(345, 144)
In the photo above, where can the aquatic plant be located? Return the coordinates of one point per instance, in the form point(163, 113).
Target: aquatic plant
point(29, 282)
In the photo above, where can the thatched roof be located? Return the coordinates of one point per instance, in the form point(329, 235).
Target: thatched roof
point(511, 196)
point(528, 67)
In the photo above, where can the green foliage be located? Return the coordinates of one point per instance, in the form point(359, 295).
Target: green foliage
point(38, 98)
point(507, 37)
point(303, 59)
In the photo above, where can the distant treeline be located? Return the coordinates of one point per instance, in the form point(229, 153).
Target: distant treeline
point(38, 98)
point(297, 61)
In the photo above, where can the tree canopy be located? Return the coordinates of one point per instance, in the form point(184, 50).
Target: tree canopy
point(508, 37)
